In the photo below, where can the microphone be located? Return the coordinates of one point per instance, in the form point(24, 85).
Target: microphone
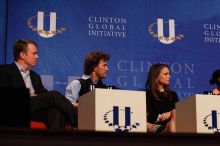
point(111, 87)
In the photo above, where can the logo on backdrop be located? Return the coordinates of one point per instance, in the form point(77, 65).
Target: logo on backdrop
point(107, 26)
point(211, 121)
point(211, 33)
point(160, 31)
point(183, 74)
point(111, 118)
point(40, 28)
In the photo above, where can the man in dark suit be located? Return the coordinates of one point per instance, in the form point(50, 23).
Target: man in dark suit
point(50, 107)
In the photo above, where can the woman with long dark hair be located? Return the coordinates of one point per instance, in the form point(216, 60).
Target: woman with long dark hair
point(160, 100)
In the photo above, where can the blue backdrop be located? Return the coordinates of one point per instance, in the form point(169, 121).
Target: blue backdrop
point(3, 10)
point(183, 34)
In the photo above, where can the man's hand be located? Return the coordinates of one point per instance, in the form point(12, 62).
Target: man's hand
point(33, 94)
point(215, 91)
point(75, 104)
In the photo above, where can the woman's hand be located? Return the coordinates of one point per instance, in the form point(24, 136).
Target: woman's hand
point(152, 127)
point(164, 116)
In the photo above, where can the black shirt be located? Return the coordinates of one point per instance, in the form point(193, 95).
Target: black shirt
point(163, 104)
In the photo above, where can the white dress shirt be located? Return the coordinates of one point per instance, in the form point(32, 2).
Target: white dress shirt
point(26, 77)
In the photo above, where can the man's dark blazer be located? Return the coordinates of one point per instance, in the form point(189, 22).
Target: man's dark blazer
point(10, 76)
point(47, 106)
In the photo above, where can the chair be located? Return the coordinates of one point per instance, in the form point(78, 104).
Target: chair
point(41, 125)
point(37, 125)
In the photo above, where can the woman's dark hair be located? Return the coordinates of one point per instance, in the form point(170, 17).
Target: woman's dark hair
point(92, 61)
point(215, 78)
point(21, 46)
point(151, 83)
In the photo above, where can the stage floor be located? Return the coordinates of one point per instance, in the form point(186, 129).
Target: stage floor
point(29, 137)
